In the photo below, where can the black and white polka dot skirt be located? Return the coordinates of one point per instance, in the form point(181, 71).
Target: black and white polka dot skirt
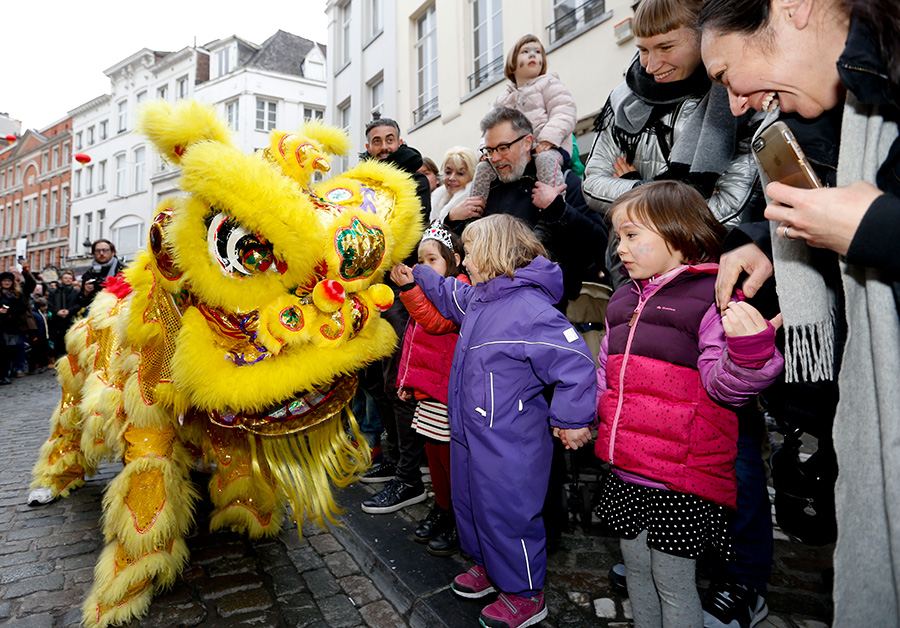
point(677, 523)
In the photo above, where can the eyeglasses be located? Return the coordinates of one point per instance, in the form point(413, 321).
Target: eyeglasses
point(103, 250)
point(501, 149)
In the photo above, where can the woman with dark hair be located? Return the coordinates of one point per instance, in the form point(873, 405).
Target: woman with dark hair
point(810, 57)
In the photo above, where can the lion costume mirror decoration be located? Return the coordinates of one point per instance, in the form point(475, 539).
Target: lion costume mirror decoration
point(234, 337)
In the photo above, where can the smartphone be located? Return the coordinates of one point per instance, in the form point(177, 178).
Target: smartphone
point(780, 158)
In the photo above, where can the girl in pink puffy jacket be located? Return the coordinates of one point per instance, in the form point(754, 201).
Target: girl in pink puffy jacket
point(423, 373)
point(547, 104)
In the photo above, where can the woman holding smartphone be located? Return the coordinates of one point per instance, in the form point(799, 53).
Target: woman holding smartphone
point(810, 57)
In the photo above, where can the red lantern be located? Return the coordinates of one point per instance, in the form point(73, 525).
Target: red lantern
point(11, 138)
point(82, 158)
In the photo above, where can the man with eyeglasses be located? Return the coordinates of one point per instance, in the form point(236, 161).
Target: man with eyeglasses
point(573, 234)
point(105, 265)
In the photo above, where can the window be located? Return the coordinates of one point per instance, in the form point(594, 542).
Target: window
point(123, 116)
point(121, 176)
point(67, 154)
point(101, 218)
point(56, 156)
point(345, 34)
point(76, 233)
point(45, 211)
point(45, 162)
point(104, 127)
point(78, 141)
point(89, 180)
point(88, 223)
point(64, 205)
point(232, 113)
point(128, 239)
point(344, 121)
point(570, 16)
point(426, 66)
point(15, 218)
point(223, 62)
point(487, 42)
point(162, 92)
point(78, 184)
point(265, 115)
point(90, 136)
point(139, 168)
point(141, 97)
point(101, 176)
point(54, 207)
point(376, 97)
point(310, 113)
point(376, 18)
point(183, 87)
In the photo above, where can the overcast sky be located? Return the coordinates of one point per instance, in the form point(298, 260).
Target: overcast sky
point(53, 52)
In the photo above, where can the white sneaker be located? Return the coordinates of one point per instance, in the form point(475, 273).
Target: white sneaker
point(40, 496)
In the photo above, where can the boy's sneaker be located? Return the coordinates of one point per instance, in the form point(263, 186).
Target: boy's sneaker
point(384, 472)
point(393, 497)
point(733, 605)
point(512, 611)
point(472, 584)
point(617, 579)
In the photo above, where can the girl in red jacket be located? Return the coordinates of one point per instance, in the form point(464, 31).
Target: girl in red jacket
point(423, 374)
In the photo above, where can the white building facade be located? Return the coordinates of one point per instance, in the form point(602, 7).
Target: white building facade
point(254, 87)
point(446, 59)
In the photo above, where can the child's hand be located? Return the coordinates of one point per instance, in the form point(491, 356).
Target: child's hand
point(573, 439)
point(542, 194)
point(405, 394)
point(543, 145)
point(622, 167)
point(742, 319)
point(401, 274)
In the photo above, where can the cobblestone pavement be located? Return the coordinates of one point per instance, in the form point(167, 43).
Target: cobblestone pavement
point(47, 554)
point(367, 572)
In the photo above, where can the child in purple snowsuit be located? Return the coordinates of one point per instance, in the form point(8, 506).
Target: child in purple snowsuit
point(513, 349)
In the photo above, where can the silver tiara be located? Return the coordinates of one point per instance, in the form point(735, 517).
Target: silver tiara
point(437, 231)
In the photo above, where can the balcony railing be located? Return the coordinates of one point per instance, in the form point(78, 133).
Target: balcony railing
point(573, 20)
point(426, 110)
point(485, 73)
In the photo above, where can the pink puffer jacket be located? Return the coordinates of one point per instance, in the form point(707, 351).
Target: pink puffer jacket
point(548, 105)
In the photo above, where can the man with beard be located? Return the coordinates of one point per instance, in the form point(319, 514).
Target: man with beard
point(105, 265)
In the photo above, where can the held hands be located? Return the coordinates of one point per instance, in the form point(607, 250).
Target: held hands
point(405, 394)
point(543, 145)
point(622, 167)
point(742, 319)
point(573, 439)
point(401, 274)
point(826, 218)
point(543, 195)
point(472, 207)
point(749, 258)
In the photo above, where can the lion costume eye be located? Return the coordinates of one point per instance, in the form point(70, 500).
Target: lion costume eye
point(237, 250)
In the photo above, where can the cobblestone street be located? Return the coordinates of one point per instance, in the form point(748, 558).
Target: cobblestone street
point(366, 572)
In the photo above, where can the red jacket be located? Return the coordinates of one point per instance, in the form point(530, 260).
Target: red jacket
point(428, 347)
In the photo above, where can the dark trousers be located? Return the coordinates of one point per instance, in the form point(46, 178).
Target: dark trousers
point(403, 445)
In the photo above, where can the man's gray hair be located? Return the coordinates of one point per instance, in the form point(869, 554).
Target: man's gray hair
point(498, 115)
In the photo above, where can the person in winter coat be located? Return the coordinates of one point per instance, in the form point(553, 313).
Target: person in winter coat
point(518, 369)
point(424, 373)
point(672, 370)
point(549, 107)
point(666, 121)
point(64, 305)
point(15, 317)
point(104, 266)
point(457, 169)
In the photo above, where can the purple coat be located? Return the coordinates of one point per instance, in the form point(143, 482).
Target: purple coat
point(513, 347)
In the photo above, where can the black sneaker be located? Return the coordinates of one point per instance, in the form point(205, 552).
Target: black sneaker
point(435, 523)
point(383, 472)
point(733, 605)
point(393, 497)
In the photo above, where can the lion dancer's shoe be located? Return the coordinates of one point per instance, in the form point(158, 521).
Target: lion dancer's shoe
point(147, 512)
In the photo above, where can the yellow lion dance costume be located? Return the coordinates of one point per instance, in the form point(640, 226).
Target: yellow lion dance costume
point(234, 337)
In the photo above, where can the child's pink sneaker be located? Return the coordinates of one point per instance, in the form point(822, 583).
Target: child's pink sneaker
point(474, 583)
point(512, 611)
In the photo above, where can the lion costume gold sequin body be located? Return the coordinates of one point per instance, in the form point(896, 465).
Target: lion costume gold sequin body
point(234, 338)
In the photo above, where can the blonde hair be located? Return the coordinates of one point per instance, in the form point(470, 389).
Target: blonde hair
point(512, 59)
point(499, 244)
point(461, 158)
point(656, 17)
